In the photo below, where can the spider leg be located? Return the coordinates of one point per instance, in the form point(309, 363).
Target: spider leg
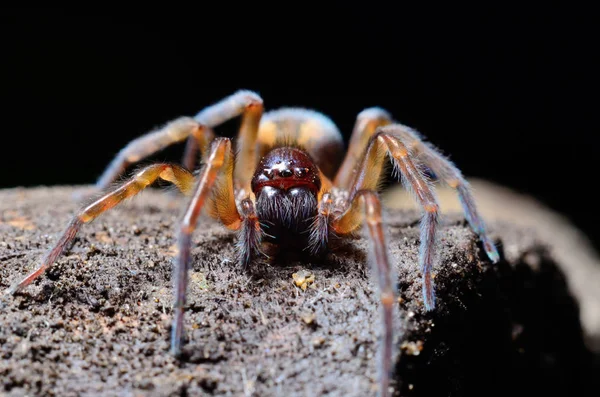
point(209, 174)
point(250, 106)
point(197, 129)
point(367, 123)
point(196, 146)
point(368, 178)
point(365, 126)
point(142, 179)
point(214, 189)
point(448, 173)
point(365, 208)
point(144, 146)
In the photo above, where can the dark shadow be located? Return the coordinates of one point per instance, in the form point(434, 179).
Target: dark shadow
point(517, 332)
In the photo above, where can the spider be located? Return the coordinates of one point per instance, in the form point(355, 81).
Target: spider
point(286, 182)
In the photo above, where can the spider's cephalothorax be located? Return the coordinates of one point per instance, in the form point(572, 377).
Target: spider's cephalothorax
point(285, 185)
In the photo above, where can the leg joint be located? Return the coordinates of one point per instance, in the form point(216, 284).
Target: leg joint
point(375, 113)
point(432, 208)
point(371, 205)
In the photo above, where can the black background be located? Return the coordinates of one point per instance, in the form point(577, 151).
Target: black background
point(507, 93)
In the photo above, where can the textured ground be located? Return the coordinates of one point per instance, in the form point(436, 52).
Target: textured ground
point(98, 323)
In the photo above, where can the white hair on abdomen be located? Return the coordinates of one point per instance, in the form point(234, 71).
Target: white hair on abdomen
point(299, 115)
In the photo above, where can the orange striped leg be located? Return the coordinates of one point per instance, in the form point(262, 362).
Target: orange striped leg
point(249, 105)
point(365, 126)
point(370, 173)
point(144, 178)
point(448, 173)
point(219, 156)
point(366, 208)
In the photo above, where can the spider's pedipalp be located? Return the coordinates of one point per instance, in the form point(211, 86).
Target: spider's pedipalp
point(141, 180)
point(448, 173)
point(250, 234)
point(365, 209)
point(319, 229)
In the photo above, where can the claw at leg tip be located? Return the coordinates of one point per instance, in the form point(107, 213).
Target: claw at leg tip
point(429, 302)
point(491, 251)
point(428, 294)
point(494, 255)
point(10, 290)
point(175, 348)
point(176, 340)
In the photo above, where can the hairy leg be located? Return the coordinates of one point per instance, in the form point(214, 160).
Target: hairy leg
point(142, 179)
point(365, 126)
point(250, 106)
point(384, 143)
point(196, 147)
point(220, 149)
point(196, 129)
point(215, 188)
point(448, 173)
point(148, 144)
point(366, 209)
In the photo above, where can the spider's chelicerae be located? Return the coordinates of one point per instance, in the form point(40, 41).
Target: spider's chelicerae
point(287, 183)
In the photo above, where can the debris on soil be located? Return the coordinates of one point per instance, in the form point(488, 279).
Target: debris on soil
point(99, 321)
point(303, 279)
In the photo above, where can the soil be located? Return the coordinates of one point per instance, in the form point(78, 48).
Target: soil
point(98, 323)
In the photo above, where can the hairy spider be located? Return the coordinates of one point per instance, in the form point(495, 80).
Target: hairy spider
point(287, 183)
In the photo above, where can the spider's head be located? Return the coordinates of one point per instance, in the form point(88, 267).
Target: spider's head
point(286, 184)
point(286, 168)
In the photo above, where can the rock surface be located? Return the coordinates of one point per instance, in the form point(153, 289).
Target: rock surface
point(98, 323)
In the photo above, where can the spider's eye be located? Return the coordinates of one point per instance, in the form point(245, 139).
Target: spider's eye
point(285, 173)
point(268, 173)
point(301, 172)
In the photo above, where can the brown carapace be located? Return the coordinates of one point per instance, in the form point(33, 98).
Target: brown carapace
point(286, 182)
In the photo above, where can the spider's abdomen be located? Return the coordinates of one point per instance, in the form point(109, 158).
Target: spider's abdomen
point(312, 130)
point(286, 184)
